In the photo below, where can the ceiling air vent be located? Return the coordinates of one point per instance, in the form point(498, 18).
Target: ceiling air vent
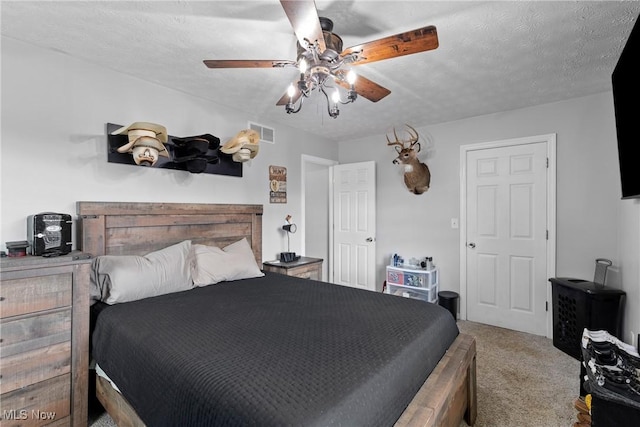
point(266, 134)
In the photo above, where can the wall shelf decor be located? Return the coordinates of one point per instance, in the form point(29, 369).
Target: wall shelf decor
point(225, 165)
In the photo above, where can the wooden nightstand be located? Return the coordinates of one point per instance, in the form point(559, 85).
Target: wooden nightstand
point(305, 267)
point(44, 316)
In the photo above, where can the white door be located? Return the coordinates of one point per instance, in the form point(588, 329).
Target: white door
point(354, 225)
point(506, 230)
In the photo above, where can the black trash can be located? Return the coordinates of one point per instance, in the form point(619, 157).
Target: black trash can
point(449, 300)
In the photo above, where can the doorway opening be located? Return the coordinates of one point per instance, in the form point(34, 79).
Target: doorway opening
point(316, 210)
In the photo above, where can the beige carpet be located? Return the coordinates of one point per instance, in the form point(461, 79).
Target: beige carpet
point(523, 380)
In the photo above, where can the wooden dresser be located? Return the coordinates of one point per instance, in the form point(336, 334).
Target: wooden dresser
point(305, 267)
point(44, 343)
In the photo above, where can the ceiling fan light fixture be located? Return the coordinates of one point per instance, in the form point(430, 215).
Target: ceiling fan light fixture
point(303, 66)
point(335, 96)
point(291, 92)
point(321, 57)
point(352, 95)
point(318, 76)
point(351, 77)
point(334, 111)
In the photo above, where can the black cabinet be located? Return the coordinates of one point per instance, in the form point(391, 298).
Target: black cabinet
point(578, 304)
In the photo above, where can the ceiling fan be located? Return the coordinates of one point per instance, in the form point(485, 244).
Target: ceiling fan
point(322, 61)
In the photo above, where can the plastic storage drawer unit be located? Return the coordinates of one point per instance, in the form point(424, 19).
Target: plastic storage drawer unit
point(417, 278)
point(413, 283)
point(425, 294)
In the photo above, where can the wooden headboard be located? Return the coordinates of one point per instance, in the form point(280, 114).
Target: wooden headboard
point(125, 228)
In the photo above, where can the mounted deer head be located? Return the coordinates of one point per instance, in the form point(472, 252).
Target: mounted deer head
point(417, 177)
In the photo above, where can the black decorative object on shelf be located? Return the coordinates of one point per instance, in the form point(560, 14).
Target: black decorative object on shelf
point(206, 160)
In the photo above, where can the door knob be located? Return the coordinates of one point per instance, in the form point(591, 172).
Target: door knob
point(369, 239)
point(472, 245)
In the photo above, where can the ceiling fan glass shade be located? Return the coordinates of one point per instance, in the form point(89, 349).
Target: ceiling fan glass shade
point(285, 99)
point(303, 66)
point(335, 96)
point(291, 91)
point(351, 77)
point(290, 228)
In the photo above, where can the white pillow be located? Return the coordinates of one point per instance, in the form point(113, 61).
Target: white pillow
point(234, 262)
point(122, 278)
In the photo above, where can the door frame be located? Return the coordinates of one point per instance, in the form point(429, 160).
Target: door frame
point(550, 140)
point(306, 159)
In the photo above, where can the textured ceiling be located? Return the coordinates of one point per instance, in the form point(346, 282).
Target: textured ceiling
point(493, 56)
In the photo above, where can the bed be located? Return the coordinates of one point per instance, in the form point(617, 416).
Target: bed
point(404, 370)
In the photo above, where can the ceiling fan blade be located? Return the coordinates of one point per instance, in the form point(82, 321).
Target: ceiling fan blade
point(363, 86)
point(303, 16)
point(286, 98)
point(242, 63)
point(414, 41)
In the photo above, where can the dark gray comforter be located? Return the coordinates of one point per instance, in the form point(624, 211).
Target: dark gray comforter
point(271, 351)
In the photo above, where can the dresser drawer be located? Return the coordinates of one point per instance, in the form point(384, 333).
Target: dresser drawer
point(32, 294)
point(307, 273)
point(44, 403)
point(28, 332)
point(33, 366)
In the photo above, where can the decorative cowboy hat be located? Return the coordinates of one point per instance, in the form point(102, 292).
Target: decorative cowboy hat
point(242, 155)
point(145, 134)
point(191, 147)
point(145, 141)
point(245, 139)
point(214, 141)
point(189, 151)
point(159, 131)
point(146, 149)
point(196, 151)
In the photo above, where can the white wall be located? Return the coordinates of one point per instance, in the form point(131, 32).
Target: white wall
point(588, 192)
point(54, 145)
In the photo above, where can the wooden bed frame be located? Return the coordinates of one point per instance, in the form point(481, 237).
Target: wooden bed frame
point(125, 228)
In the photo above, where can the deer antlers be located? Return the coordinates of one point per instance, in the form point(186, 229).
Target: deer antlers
point(413, 140)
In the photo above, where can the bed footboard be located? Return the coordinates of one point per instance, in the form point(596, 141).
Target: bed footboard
point(116, 405)
point(449, 394)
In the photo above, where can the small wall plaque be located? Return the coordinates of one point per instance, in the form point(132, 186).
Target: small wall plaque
point(277, 184)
